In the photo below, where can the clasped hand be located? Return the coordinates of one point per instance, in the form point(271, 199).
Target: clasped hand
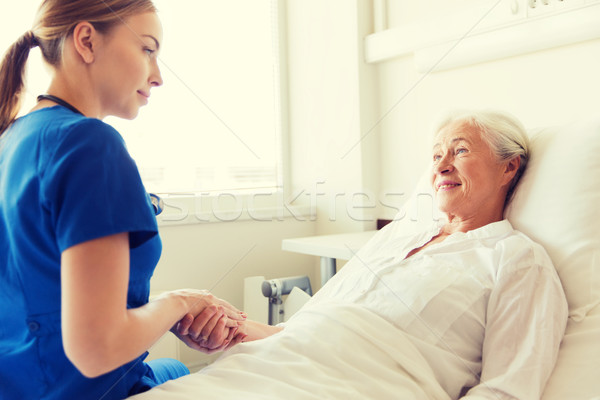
point(218, 326)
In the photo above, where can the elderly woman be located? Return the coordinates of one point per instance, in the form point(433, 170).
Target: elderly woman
point(469, 307)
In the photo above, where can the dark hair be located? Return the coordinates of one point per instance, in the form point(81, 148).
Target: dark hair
point(54, 22)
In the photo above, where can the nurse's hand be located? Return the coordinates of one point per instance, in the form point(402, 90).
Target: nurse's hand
point(197, 301)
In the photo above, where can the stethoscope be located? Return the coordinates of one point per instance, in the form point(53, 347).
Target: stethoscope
point(157, 203)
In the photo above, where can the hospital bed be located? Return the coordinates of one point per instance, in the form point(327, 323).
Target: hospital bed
point(557, 203)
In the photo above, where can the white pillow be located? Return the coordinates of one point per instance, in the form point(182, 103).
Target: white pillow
point(557, 204)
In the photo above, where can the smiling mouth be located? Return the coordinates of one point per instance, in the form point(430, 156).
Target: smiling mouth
point(448, 186)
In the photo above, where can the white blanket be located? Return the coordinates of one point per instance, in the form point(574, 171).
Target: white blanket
point(299, 363)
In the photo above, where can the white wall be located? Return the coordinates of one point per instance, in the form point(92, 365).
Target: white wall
point(542, 88)
point(217, 256)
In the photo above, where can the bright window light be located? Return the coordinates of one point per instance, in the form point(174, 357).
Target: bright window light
point(213, 125)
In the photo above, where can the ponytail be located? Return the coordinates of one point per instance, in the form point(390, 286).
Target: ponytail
point(12, 73)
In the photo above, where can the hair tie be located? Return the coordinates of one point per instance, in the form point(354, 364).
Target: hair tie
point(30, 39)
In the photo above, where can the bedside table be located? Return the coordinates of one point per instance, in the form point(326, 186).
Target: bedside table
point(329, 247)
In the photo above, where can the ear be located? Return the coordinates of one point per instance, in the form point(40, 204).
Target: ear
point(85, 38)
point(510, 169)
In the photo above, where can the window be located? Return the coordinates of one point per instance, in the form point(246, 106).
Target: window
point(214, 124)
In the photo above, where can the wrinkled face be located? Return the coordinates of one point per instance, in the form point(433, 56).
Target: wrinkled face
point(127, 65)
point(467, 178)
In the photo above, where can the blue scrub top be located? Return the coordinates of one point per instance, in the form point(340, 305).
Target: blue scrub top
point(64, 179)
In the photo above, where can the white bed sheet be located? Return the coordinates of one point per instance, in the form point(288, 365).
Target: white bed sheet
point(264, 370)
point(322, 364)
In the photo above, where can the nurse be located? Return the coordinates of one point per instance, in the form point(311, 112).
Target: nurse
point(78, 234)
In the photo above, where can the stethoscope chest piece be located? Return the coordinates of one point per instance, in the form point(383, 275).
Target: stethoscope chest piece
point(157, 203)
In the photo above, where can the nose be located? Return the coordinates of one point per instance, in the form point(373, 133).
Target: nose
point(155, 76)
point(444, 165)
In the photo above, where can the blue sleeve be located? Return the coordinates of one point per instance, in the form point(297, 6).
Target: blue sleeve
point(92, 188)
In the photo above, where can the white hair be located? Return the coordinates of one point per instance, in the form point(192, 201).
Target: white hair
point(504, 133)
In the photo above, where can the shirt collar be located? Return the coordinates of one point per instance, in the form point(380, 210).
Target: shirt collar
point(494, 229)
